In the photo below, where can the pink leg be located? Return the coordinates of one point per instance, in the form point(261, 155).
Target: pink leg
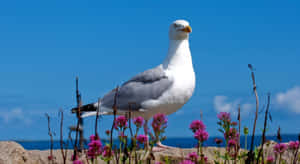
point(160, 146)
point(146, 127)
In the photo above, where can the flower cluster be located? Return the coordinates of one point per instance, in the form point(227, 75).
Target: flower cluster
point(198, 129)
point(143, 139)
point(120, 122)
point(224, 116)
point(196, 125)
point(107, 152)
point(193, 156)
point(95, 147)
point(280, 148)
point(138, 121)
point(76, 160)
point(294, 145)
point(231, 134)
point(270, 160)
point(159, 122)
point(201, 135)
point(232, 143)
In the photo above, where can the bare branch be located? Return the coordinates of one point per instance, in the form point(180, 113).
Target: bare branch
point(264, 133)
point(250, 154)
point(50, 158)
point(63, 153)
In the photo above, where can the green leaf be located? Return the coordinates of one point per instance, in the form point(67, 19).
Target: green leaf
point(221, 130)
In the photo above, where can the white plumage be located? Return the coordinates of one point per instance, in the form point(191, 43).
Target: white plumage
point(163, 89)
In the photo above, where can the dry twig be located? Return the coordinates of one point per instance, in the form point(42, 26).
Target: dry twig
point(50, 158)
point(250, 158)
point(62, 144)
point(264, 133)
point(78, 113)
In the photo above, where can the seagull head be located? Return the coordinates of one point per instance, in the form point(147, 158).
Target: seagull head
point(179, 30)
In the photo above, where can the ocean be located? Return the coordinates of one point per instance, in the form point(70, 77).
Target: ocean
point(175, 142)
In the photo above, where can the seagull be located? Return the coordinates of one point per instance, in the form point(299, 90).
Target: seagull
point(163, 89)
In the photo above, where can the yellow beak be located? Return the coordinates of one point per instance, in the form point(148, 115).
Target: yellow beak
point(187, 29)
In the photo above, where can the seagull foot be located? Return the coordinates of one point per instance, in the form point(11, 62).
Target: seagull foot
point(158, 149)
point(161, 147)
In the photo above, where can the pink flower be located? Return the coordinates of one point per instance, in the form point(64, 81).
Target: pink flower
point(231, 134)
point(224, 116)
point(193, 156)
point(94, 147)
point(201, 135)
point(270, 160)
point(294, 145)
point(138, 121)
point(142, 139)
point(74, 158)
point(93, 137)
point(187, 162)
point(122, 135)
point(234, 123)
point(107, 152)
point(77, 162)
point(50, 157)
point(159, 122)
point(196, 125)
point(231, 143)
point(280, 148)
point(107, 132)
point(121, 122)
point(218, 141)
point(158, 162)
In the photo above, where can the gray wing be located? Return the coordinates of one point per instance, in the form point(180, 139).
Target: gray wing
point(147, 85)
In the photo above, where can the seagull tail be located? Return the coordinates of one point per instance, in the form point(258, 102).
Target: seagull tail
point(86, 108)
point(91, 110)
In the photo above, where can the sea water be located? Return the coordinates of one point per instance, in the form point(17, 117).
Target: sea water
point(175, 142)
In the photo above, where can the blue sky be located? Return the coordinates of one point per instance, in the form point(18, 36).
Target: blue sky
point(44, 45)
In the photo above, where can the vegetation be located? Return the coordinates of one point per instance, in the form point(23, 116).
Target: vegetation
point(137, 148)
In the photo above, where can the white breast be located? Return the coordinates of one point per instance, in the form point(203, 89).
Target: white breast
point(176, 96)
point(178, 68)
point(183, 86)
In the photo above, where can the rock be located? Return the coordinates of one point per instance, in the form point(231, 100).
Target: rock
point(13, 153)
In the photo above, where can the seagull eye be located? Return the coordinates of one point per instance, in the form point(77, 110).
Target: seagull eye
point(176, 25)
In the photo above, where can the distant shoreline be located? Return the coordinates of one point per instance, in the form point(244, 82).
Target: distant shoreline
point(181, 142)
point(217, 136)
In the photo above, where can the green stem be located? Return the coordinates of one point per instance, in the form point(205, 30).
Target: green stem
point(198, 151)
point(245, 142)
point(280, 158)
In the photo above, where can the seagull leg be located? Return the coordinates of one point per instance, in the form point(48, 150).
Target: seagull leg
point(146, 132)
point(146, 127)
point(159, 146)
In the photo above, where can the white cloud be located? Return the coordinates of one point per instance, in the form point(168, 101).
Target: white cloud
point(246, 108)
point(289, 99)
point(179, 112)
point(14, 114)
point(223, 104)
